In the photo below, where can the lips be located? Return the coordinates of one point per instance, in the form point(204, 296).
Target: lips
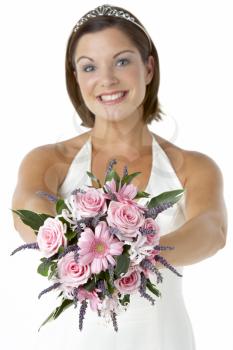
point(109, 93)
point(110, 101)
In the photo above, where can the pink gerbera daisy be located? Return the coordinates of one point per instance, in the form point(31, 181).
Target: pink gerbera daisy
point(98, 248)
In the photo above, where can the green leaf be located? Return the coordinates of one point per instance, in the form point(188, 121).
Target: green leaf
point(99, 276)
point(61, 249)
point(142, 194)
point(70, 235)
point(111, 288)
point(52, 270)
point(60, 294)
point(60, 205)
point(45, 216)
point(30, 218)
point(128, 178)
point(122, 264)
point(94, 178)
point(152, 288)
point(43, 268)
point(125, 300)
point(90, 285)
point(165, 197)
point(126, 248)
point(64, 305)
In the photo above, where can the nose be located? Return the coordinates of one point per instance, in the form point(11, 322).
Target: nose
point(107, 77)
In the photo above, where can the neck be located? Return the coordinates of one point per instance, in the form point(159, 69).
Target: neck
point(120, 137)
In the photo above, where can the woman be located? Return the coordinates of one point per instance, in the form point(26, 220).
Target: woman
point(112, 75)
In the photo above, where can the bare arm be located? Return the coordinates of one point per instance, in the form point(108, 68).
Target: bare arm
point(205, 231)
point(36, 173)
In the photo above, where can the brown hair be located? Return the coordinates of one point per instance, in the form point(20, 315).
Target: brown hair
point(151, 105)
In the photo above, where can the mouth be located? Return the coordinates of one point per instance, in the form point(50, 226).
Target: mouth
point(113, 99)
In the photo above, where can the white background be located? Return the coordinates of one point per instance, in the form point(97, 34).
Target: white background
point(194, 43)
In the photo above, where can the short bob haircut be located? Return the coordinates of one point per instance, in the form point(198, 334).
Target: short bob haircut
point(151, 106)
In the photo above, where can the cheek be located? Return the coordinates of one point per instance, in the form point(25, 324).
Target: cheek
point(86, 85)
point(135, 77)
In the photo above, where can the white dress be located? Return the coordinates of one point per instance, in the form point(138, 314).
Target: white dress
point(163, 326)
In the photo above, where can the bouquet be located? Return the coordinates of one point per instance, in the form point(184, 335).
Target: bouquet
point(102, 246)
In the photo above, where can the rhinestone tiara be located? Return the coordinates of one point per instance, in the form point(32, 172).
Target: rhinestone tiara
point(108, 10)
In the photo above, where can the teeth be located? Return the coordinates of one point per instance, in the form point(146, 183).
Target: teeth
point(112, 97)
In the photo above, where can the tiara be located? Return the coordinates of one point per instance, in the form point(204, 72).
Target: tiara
point(108, 10)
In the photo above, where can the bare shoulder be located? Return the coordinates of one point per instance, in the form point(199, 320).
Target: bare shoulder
point(203, 182)
point(203, 165)
point(38, 168)
point(187, 163)
point(49, 163)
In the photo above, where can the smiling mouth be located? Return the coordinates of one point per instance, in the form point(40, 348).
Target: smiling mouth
point(113, 99)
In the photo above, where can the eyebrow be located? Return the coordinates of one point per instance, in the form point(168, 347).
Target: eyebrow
point(117, 54)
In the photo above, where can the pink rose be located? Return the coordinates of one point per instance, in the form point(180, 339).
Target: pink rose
point(90, 203)
point(152, 239)
point(126, 217)
point(130, 283)
point(51, 235)
point(70, 273)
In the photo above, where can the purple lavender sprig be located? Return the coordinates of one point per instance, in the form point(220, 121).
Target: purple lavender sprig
point(82, 312)
point(110, 166)
point(153, 212)
point(75, 297)
point(125, 171)
point(95, 220)
point(71, 248)
point(147, 264)
point(98, 313)
point(111, 273)
point(47, 195)
point(102, 287)
point(76, 255)
point(114, 230)
point(78, 190)
point(163, 247)
point(114, 320)
point(82, 223)
point(142, 289)
point(147, 231)
point(54, 286)
point(163, 261)
point(26, 246)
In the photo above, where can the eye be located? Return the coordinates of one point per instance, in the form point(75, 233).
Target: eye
point(123, 60)
point(86, 68)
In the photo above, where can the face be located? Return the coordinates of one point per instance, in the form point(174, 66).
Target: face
point(111, 74)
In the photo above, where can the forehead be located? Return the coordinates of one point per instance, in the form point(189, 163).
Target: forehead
point(103, 41)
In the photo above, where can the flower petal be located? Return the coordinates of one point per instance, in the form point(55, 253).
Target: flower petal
point(105, 263)
point(110, 259)
point(86, 259)
point(96, 265)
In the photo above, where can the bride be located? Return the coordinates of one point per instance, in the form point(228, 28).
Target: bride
point(112, 76)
